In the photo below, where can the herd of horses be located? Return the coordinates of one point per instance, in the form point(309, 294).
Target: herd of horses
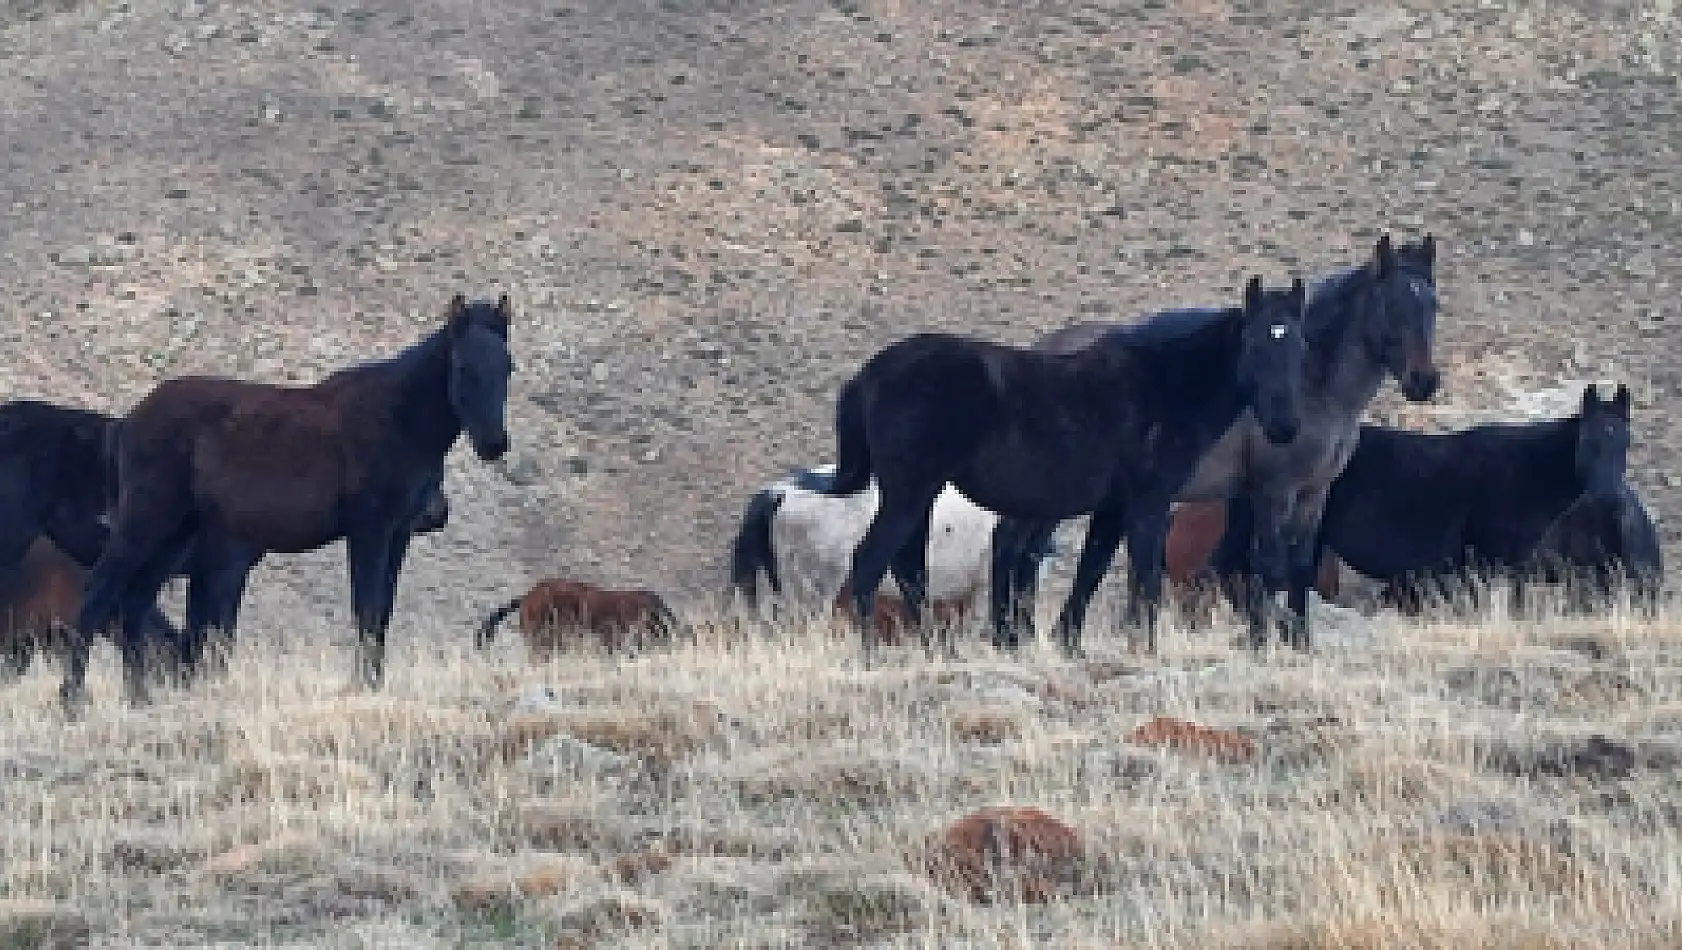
point(1230, 437)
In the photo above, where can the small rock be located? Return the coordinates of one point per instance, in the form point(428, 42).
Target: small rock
point(1525, 238)
point(1180, 735)
point(1017, 852)
point(79, 256)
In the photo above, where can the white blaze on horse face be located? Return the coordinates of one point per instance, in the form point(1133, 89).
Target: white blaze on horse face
point(1279, 330)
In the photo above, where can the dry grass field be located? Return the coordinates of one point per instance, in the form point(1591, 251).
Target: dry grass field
point(708, 212)
point(1494, 782)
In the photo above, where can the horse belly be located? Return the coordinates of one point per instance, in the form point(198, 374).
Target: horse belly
point(284, 502)
point(1013, 478)
point(277, 513)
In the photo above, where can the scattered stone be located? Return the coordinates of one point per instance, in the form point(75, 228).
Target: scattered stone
point(1013, 852)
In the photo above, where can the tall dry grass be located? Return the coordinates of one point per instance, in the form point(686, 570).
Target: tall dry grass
point(1416, 784)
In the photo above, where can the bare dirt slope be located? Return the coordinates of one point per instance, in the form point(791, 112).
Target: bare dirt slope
point(709, 213)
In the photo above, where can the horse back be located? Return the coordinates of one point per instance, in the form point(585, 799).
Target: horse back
point(270, 462)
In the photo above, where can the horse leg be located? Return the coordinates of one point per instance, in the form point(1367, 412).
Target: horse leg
point(1147, 543)
point(1304, 551)
point(220, 571)
point(1029, 546)
point(1103, 536)
point(1005, 583)
point(138, 600)
point(910, 567)
point(134, 548)
point(375, 560)
point(895, 521)
point(1270, 560)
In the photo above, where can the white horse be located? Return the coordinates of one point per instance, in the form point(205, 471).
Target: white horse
point(804, 540)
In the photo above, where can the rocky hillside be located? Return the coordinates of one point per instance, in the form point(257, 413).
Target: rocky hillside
point(708, 213)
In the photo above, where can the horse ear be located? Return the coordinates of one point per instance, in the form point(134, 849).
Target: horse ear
point(1299, 294)
point(458, 312)
point(1621, 399)
point(1430, 249)
point(1253, 294)
point(1591, 398)
point(506, 311)
point(1383, 256)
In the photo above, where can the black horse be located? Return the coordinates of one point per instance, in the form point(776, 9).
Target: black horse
point(224, 463)
point(52, 480)
point(1112, 430)
point(1362, 324)
point(1424, 511)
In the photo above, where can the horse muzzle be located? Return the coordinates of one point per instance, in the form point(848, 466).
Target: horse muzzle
point(1419, 385)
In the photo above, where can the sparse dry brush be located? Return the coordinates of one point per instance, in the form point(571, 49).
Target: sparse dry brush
point(1509, 783)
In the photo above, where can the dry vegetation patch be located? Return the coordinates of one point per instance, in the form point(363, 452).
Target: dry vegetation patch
point(764, 788)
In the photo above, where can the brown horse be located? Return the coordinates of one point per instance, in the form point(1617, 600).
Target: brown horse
point(38, 604)
point(553, 608)
point(1194, 531)
point(236, 466)
point(894, 619)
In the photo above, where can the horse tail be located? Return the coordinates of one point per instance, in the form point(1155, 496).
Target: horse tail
point(487, 629)
point(751, 552)
point(852, 443)
point(664, 620)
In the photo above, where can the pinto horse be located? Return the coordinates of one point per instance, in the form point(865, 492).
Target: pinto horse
point(800, 539)
point(1362, 324)
point(230, 465)
point(1418, 510)
point(552, 608)
point(1112, 430)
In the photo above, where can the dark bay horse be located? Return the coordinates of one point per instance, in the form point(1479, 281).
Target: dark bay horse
point(1112, 430)
point(58, 483)
point(38, 604)
point(1421, 510)
point(1362, 324)
point(222, 463)
point(554, 608)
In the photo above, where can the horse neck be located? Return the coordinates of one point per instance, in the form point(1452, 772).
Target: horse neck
point(1341, 371)
point(419, 381)
point(1175, 380)
point(1548, 453)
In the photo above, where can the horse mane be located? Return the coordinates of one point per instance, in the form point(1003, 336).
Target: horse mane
point(1181, 326)
point(396, 364)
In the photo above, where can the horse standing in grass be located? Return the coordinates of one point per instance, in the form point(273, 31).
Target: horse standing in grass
point(1418, 510)
point(1362, 324)
point(227, 464)
point(1112, 430)
point(38, 604)
point(797, 536)
point(554, 608)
